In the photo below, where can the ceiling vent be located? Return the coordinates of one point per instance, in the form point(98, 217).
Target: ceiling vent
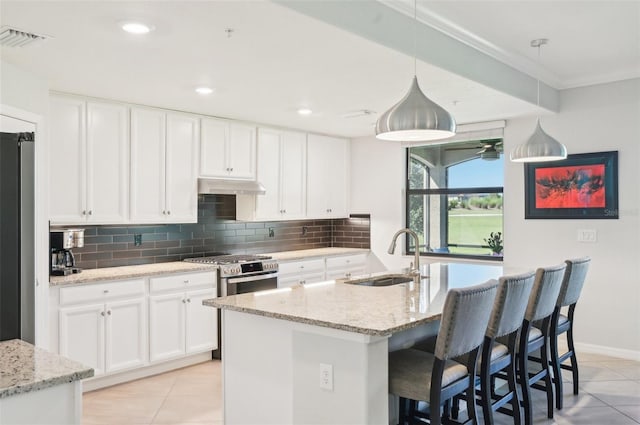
point(13, 37)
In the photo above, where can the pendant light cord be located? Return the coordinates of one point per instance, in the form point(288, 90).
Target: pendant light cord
point(415, 43)
point(538, 96)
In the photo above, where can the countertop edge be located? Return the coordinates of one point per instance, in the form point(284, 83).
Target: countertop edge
point(128, 273)
point(315, 253)
point(46, 383)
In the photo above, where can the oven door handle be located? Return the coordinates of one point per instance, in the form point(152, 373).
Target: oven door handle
point(232, 280)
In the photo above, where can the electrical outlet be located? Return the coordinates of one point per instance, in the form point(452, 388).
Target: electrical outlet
point(137, 240)
point(326, 376)
point(305, 229)
point(271, 232)
point(587, 235)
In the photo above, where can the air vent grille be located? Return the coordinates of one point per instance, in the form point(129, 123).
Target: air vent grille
point(13, 37)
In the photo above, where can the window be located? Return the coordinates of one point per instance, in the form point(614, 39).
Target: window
point(454, 199)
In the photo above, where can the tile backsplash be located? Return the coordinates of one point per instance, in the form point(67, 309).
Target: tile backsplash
point(216, 231)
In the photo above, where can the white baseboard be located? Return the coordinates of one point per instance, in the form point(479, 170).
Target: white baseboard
point(608, 351)
point(143, 372)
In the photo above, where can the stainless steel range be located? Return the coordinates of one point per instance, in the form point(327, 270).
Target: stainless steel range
point(240, 274)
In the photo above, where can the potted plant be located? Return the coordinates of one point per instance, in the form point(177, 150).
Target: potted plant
point(495, 243)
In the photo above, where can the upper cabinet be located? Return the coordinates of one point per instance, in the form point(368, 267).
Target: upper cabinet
point(164, 149)
point(227, 149)
point(281, 159)
point(327, 176)
point(89, 161)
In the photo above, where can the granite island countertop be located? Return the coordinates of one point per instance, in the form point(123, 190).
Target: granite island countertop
point(129, 272)
point(25, 368)
point(379, 311)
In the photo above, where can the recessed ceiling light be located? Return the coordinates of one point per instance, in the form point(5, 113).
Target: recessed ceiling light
point(204, 90)
point(136, 27)
point(305, 111)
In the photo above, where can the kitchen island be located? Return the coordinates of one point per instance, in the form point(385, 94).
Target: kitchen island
point(37, 386)
point(318, 353)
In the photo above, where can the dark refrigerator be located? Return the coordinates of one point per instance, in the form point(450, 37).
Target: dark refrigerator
point(17, 241)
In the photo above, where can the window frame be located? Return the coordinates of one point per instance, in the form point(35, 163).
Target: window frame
point(444, 191)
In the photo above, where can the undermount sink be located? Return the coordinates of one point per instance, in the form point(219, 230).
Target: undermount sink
point(381, 280)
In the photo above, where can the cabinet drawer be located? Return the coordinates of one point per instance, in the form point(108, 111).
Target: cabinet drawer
point(102, 291)
point(347, 261)
point(183, 281)
point(301, 266)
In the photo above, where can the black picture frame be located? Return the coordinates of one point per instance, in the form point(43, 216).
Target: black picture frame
point(583, 186)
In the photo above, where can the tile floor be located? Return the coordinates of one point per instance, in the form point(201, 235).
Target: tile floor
point(609, 394)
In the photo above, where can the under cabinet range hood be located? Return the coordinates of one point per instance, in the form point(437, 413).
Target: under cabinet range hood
point(230, 187)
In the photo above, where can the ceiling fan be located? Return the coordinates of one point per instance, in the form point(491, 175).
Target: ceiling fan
point(491, 150)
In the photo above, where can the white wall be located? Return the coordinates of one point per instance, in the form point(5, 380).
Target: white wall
point(591, 119)
point(597, 118)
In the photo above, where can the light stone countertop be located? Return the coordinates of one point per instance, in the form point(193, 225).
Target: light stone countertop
point(304, 254)
point(128, 272)
point(25, 368)
point(367, 310)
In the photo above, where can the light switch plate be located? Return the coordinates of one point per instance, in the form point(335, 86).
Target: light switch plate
point(587, 235)
point(326, 376)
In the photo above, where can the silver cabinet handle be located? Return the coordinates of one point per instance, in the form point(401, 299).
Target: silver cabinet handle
point(231, 168)
point(84, 212)
point(164, 212)
point(109, 312)
point(168, 212)
point(188, 300)
point(106, 291)
point(102, 313)
point(184, 301)
point(90, 212)
point(186, 281)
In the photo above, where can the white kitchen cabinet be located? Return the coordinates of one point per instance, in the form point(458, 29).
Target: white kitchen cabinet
point(104, 325)
point(227, 149)
point(89, 161)
point(164, 149)
point(178, 322)
point(281, 169)
point(301, 272)
point(327, 176)
point(346, 266)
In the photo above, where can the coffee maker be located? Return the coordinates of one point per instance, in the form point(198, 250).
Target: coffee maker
point(61, 242)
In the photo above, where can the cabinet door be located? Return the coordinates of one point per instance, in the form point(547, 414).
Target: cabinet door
point(183, 136)
point(166, 326)
point(213, 148)
point(107, 163)
point(82, 335)
point(268, 173)
point(126, 334)
point(201, 323)
point(147, 165)
point(327, 174)
point(242, 151)
point(67, 161)
point(293, 175)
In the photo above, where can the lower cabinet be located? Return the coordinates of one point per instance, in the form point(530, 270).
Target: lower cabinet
point(178, 322)
point(104, 326)
point(321, 269)
point(346, 266)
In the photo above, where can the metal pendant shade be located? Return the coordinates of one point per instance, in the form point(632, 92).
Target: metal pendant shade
point(540, 147)
point(415, 118)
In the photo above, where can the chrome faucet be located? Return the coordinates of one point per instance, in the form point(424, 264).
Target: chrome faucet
point(415, 266)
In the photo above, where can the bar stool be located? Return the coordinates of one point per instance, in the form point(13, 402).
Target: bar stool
point(572, 285)
point(506, 320)
point(417, 375)
point(540, 308)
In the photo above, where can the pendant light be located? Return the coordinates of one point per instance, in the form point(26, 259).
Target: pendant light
point(415, 117)
point(540, 147)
